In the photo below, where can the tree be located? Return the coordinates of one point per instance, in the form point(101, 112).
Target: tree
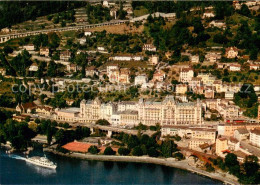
point(232, 163)
point(109, 151)
point(102, 122)
point(253, 54)
point(8, 49)
point(132, 141)
point(251, 165)
point(63, 23)
point(54, 40)
point(209, 168)
point(245, 10)
point(179, 156)
point(152, 152)
point(93, 149)
point(168, 147)
point(59, 136)
point(52, 69)
point(137, 151)
point(123, 151)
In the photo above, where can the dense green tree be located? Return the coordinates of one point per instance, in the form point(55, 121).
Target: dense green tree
point(179, 156)
point(168, 147)
point(93, 149)
point(54, 40)
point(137, 151)
point(109, 151)
point(232, 164)
point(8, 49)
point(102, 122)
point(152, 152)
point(15, 12)
point(245, 10)
point(123, 151)
point(132, 141)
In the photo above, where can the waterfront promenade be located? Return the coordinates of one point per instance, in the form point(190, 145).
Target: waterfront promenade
point(171, 162)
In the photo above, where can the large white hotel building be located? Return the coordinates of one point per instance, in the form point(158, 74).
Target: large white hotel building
point(147, 112)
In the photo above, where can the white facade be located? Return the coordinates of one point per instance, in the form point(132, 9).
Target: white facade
point(127, 58)
point(255, 137)
point(33, 68)
point(87, 33)
point(186, 75)
point(140, 80)
point(154, 60)
point(29, 47)
point(195, 58)
point(235, 67)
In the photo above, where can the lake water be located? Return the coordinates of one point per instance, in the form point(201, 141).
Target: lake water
point(15, 170)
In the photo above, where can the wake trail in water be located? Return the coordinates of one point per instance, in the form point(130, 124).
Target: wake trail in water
point(13, 156)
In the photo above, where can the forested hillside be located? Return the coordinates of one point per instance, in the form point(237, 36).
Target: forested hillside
point(17, 12)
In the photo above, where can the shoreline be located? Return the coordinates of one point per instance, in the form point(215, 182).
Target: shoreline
point(170, 162)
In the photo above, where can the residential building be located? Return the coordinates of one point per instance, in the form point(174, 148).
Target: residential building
point(208, 14)
point(195, 59)
point(124, 76)
point(127, 58)
point(229, 95)
point(111, 67)
point(65, 55)
point(91, 71)
point(44, 110)
point(228, 129)
point(207, 78)
point(181, 88)
point(221, 145)
point(140, 80)
point(194, 144)
point(255, 137)
point(68, 114)
point(209, 92)
point(153, 60)
point(228, 111)
point(44, 51)
point(231, 52)
point(186, 74)
point(3, 71)
point(82, 40)
point(29, 47)
point(101, 48)
point(129, 118)
point(254, 67)
point(158, 76)
point(149, 47)
point(72, 68)
point(234, 67)
point(212, 57)
point(87, 33)
point(241, 134)
point(26, 107)
point(113, 12)
point(217, 23)
point(127, 105)
point(33, 67)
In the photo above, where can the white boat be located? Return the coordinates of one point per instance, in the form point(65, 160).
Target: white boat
point(41, 161)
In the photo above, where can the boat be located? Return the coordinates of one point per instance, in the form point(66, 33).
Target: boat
point(41, 161)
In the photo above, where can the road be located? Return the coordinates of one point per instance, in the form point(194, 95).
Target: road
point(5, 38)
point(248, 147)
